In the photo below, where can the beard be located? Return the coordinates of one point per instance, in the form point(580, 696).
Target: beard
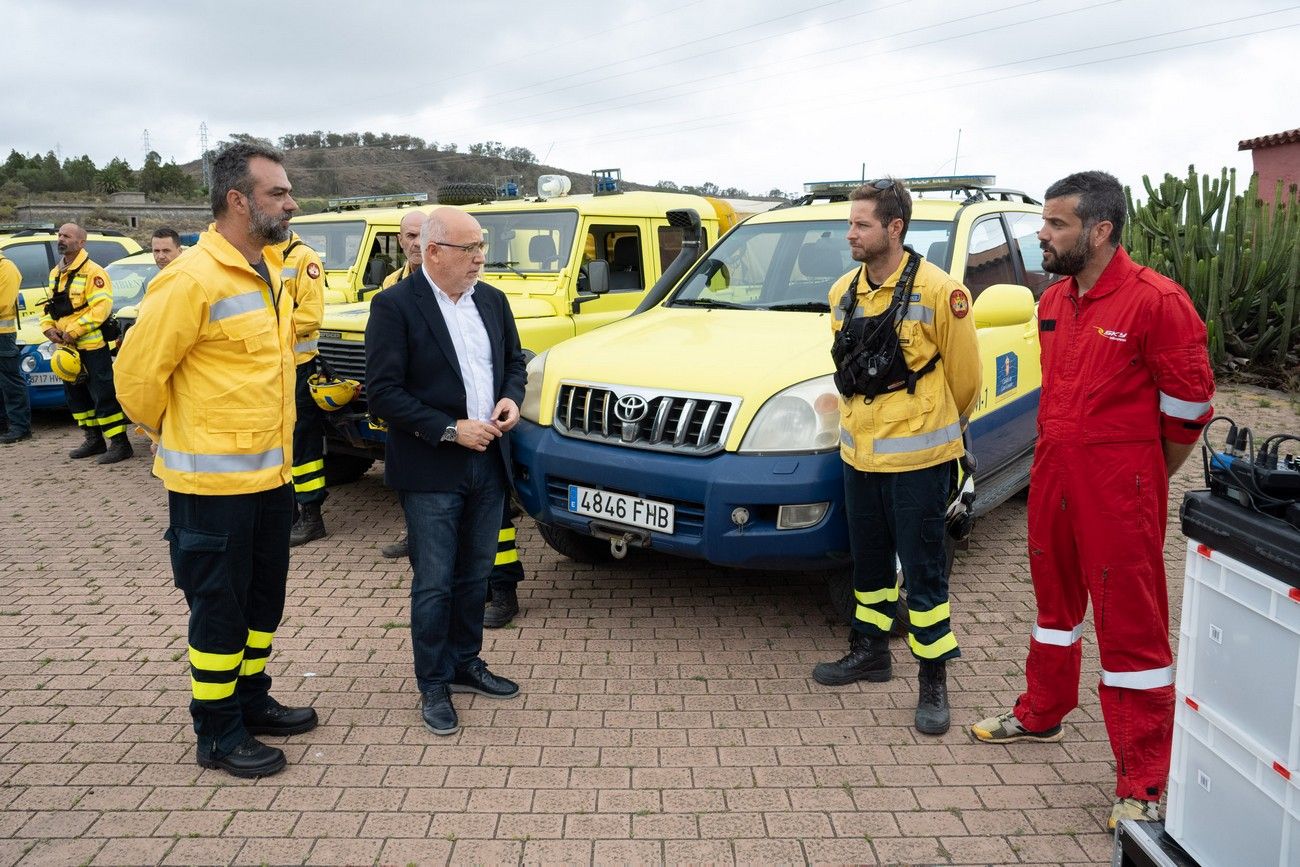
point(1066, 263)
point(267, 228)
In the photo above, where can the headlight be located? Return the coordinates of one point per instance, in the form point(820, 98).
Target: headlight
point(802, 418)
point(28, 363)
point(532, 408)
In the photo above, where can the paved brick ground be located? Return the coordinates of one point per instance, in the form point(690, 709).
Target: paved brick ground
point(667, 713)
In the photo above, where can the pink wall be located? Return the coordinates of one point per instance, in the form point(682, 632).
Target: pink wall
point(1272, 163)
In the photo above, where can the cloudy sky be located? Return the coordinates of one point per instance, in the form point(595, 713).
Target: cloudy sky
point(755, 94)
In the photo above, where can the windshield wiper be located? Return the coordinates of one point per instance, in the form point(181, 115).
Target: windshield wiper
point(510, 265)
point(802, 307)
point(708, 303)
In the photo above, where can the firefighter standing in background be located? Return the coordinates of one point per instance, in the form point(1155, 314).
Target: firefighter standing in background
point(15, 406)
point(304, 282)
point(209, 373)
point(81, 299)
point(908, 371)
point(409, 238)
point(1126, 391)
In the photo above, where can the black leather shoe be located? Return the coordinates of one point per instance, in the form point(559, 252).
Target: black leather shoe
point(475, 677)
point(438, 713)
point(252, 758)
point(276, 719)
point(9, 437)
point(503, 608)
point(868, 659)
point(396, 550)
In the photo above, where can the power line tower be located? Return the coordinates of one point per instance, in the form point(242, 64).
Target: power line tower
point(144, 142)
point(203, 147)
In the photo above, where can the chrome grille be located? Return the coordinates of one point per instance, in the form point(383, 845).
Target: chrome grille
point(347, 358)
point(645, 418)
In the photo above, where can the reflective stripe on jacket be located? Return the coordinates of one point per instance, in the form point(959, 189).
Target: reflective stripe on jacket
point(1125, 362)
point(898, 431)
point(91, 289)
point(304, 281)
point(209, 372)
point(10, 281)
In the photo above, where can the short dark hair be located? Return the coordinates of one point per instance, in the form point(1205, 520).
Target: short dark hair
point(1101, 197)
point(893, 201)
point(167, 232)
point(230, 171)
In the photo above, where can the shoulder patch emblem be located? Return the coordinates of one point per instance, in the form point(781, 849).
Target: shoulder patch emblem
point(960, 306)
point(313, 270)
point(99, 282)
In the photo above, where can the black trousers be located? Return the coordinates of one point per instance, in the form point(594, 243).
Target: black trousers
point(93, 401)
point(230, 557)
point(308, 442)
point(506, 569)
point(901, 514)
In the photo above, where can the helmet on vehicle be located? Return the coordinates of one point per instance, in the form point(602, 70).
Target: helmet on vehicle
point(66, 363)
point(330, 392)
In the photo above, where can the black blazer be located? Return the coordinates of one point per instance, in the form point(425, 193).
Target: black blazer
point(414, 383)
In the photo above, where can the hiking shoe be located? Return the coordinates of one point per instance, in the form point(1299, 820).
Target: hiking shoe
point(1006, 729)
point(1135, 809)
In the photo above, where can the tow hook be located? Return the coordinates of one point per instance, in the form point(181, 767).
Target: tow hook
point(618, 548)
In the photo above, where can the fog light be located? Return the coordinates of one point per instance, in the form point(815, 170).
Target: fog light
point(28, 363)
point(740, 516)
point(800, 516)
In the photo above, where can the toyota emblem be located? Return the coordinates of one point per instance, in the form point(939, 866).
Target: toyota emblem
point(631, 408)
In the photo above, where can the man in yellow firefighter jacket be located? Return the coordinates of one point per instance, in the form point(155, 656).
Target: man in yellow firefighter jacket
point(908, 372)
point(209, 374)
point(81, 299)
point(304, 282)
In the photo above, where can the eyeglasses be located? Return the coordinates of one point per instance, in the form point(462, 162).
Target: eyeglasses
point(889, 184)
point(476, 247)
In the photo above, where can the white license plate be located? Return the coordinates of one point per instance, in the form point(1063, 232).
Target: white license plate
point(621, 509)
point(43, 379)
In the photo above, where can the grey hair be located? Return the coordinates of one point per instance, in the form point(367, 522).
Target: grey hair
point(433, 229)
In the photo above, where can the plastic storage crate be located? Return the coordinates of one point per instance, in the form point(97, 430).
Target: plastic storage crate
point(1239, 651)
point(1228, 805)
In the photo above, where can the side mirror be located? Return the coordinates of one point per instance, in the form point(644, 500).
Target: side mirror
point(1004, 304)
point(593, 282)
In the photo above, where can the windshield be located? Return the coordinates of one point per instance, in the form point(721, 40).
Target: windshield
point(129, 282)
point(783, 266)
point(532, 241)
point(336, 243)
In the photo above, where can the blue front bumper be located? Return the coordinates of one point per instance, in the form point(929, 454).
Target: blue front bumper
point(49, 394)
point(704, 492)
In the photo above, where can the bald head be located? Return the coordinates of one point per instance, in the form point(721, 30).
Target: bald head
point(72, 238)
point(409, 236)
point(450, 242)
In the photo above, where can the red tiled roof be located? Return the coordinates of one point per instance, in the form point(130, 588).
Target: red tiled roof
point(1291, 136)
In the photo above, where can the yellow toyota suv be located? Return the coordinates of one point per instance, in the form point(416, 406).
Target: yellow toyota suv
point(707, 425)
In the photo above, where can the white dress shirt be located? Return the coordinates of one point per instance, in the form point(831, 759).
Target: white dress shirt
point(473, 349)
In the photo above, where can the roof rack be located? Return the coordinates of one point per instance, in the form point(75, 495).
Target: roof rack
point(978, 187)
point(352, 203)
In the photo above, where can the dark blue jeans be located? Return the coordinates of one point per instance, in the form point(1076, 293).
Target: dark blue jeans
point(13, 388)
point(903, 514)
point(453, 542)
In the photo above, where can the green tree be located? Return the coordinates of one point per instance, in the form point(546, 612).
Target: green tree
point(115, 176)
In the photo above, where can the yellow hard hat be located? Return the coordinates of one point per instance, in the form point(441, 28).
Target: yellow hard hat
point(66, 363)
point(330, 392)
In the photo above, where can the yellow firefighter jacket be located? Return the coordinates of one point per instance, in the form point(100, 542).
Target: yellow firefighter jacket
point(91, 292)
point(898, 431)
point(400, 274)
point(10, 280)
point(208, 372)
point(304, 282)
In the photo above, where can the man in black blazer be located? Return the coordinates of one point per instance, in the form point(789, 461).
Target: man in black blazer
point(445, 370)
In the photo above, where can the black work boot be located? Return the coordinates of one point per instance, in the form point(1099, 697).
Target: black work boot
point(93, 444)
point(252, 758)
point(867, 659)
point(119, 449)
point(932, 707)
point(396, 550)
point(310, 525)
point(503, 608)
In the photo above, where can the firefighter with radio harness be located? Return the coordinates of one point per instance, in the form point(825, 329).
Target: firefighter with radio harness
point(81, 302)
point(908, 371)
point(304, 281)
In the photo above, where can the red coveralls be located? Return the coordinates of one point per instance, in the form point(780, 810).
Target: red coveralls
point(1124, 367)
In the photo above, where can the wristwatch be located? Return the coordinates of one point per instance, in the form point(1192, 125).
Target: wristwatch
point(449, 435)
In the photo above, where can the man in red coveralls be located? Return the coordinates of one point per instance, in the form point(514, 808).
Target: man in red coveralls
point(1127, 387)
